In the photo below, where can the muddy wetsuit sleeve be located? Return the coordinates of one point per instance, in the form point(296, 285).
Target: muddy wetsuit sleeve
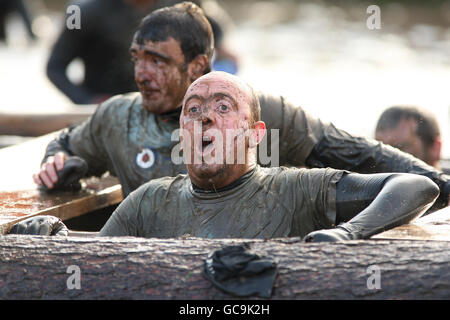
point(59, 144)
point(85, 141)
point(338, 149)
point(298, 132)
point(369, 204)
point(307, 141)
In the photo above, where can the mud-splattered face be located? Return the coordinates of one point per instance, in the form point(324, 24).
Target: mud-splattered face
point(215, 124)
point(160, 73)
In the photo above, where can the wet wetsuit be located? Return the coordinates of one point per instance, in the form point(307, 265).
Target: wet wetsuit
point(126, 140)
point(112, 138)
point(274, 202)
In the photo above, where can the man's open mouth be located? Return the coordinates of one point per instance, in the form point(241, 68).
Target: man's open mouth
point(149, 92)
point(206, 142)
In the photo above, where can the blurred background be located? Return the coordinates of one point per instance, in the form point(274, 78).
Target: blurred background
point(318, 54)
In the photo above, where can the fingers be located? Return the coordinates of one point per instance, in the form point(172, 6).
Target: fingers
point(43, 176)
point(18, 228)
point(61, 172)
point(50, 169)
point(33, 227)
point(47, 175)
point(37, 180)
point(60, 157)
point(40, 225)
point(59, 229)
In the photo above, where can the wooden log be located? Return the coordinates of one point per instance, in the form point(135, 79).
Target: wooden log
point(34, 267)
point(38, 124)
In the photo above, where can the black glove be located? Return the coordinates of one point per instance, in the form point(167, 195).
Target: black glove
point(342, 232)
point(41, 226)
point(74, 169)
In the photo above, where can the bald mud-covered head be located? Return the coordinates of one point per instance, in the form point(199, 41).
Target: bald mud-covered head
point(220, 129)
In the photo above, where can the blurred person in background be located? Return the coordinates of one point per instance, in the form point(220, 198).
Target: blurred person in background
point(414, 130)
point(102, 43)
point(10, 6)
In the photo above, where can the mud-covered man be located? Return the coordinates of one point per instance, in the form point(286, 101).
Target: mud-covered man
point(227, 195)
point(131, 135)
point(101, 43)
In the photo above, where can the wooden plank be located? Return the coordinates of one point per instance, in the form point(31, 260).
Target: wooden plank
point(435, 226)
point(20, 199)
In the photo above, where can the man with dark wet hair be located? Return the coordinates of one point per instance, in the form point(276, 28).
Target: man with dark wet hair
point(413, 130)
point(102, 44)
point(131, 135)
point(238, 199)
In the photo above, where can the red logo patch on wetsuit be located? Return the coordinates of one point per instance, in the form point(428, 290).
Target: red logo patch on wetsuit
point(145, 159)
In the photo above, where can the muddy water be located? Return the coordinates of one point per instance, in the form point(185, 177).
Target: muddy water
point(322, 57)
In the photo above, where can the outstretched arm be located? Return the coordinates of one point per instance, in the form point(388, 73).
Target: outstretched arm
point(340, 150)
point(369, 204)
point(305, 140)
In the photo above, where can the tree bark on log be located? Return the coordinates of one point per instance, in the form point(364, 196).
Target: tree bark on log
point(34, 267)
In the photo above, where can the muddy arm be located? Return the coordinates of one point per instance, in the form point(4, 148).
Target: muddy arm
point(340, 150)
point(369, 204)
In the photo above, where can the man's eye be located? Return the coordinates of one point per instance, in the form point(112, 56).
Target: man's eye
point(193, 110)
point(158, 62)
point(223, 107)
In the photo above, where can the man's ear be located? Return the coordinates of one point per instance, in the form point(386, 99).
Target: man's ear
point(258, 132)
point(197, 67)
